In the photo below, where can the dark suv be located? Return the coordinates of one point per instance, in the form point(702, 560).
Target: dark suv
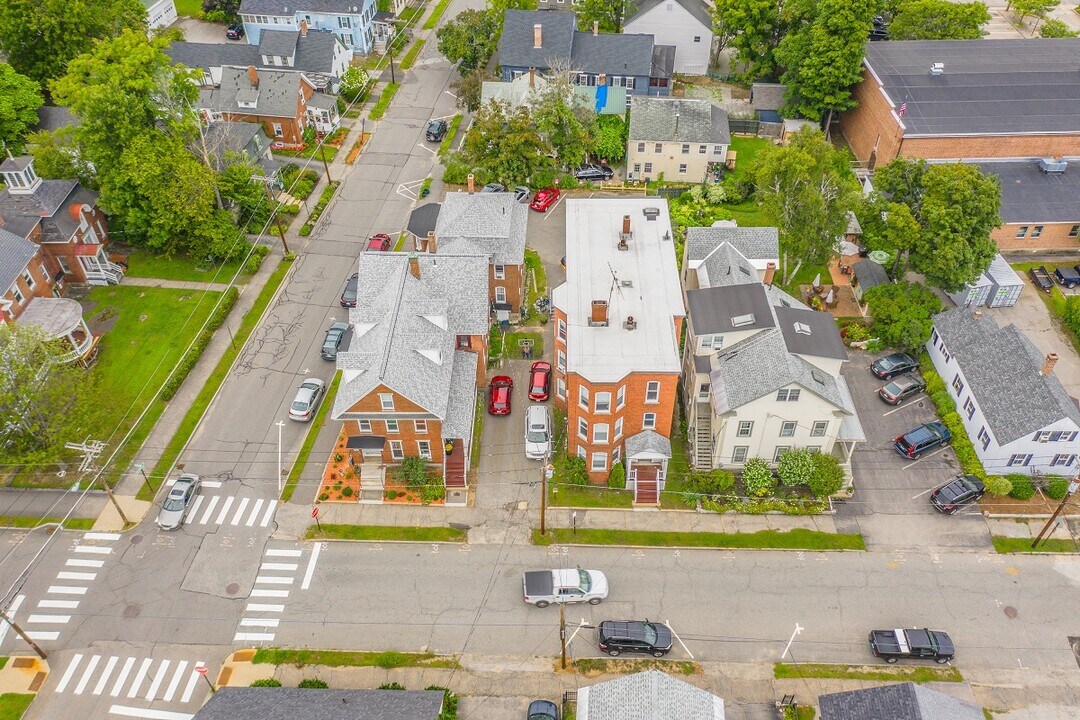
point(593, 172)
point(961, 490)
point(634, 636)
point(436, 130)
point(926, 437)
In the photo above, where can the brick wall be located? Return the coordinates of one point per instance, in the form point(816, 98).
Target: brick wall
point(406, 434)
point(511, 281)
point(1053, 236)
point(42, 287)
point(1014, 146)
point(870, 124)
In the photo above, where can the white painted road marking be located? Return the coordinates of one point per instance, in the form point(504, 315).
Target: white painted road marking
point(195, 507)
point(254, 512)
point(158, 678)
point(135, 712)
point(87, 674)
point(253, 637)
point(66, 575)
point(66, 678)
point(278, 566)
point(924, 457)
point(100, 687)
point(54, 605)
point(15, 604)
point(190, 688)
point(66, 590)
point(93, 549)
point(124, 671)
point(274, 580)
point(240, 511)
point(311, 566)
point(53, 619)
point(680, 640)
point(209, 509)
point(270, 508)
point(225, 509)
point(101, 536)
point(258, 607)
point(175, 682)
point(34, 635)
point(259, 592)
point(259, 622)
point(78, 562)
point(284, 553)
point(140, 675)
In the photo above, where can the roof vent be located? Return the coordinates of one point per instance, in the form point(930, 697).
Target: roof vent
point(626, 283)
point(802, 328)
point(937, 69)
point(1053, 166)
point(651, 213)
point(742, 320)
point(818, 377)
point(631, 323)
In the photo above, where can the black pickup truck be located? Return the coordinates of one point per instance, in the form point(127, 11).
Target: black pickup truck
point(891, 645)
point(1067, 276)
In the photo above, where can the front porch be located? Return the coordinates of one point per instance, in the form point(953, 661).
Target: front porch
point(97, 267)
point(61, 319)
point(647, 456)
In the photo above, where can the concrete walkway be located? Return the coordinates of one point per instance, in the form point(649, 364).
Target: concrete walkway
point(176, 284)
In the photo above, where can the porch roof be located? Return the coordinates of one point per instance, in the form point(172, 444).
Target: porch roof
point(54, 316)
point(365, 442)
point(647, 444)
point(88, 249)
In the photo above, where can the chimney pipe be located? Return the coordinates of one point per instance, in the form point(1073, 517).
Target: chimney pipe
point(1048, 366)
point(472, 183)
point(532, 77)
point(770, 272)
point(253, 76)
point(303, 28)
point(538, 36)
point(626, 224)
point(414, 266)
point(430, 247)
point(595, 27)
point(599, 313)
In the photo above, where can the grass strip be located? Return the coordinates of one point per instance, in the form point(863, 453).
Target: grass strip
point(600, 666)
point(3, 662)
point(24, 521)
point(342, 658)
point(798, 539)
point(448, 141)
point(385, 532)
point(217, 377)
point(410, 57)
point(436, 15)
point(1005, 545)
point(13, 705)
point(867, 672)
point(309, 440)
point(384, 101)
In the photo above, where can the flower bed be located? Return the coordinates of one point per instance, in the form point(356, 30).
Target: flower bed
point(340, 480)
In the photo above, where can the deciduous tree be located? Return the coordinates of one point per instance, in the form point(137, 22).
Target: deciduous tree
point(565, 123)
point(506, 143)
point(610, 14)
point(609, 140)
point(903, 313)
point(20, 97)
point(469, 39)
point(469, 88)
point(755, 29)
point(1054, 28)
point(938, 20)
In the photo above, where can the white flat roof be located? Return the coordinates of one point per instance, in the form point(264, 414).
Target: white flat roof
point(641, 282)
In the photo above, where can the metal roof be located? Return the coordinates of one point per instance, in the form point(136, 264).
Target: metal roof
point(1029, 195)
point(655, 119)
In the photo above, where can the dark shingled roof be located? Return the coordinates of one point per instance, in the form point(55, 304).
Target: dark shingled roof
point(15, 253)
point(280, 42)
point(314, 53)
point(422, 220)
point(290, 9)
point(53, 118)
point(557, 38)
point(711, 309)
point(47, 205)
point(699, 121)
point(697, 8)
point(988, 87)
point(807, 332)
point(232, 703)
point(1028, 195)
point(612, 54)
point(906, 701)
point(869, 274)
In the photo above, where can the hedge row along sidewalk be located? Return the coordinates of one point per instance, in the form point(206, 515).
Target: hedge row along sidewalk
point(797, 539)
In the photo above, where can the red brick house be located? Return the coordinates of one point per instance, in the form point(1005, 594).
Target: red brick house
point(618, 318)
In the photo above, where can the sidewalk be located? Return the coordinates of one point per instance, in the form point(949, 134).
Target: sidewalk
point(177, 284)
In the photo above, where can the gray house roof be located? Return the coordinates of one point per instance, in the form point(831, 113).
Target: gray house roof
point(234, 703)
point(48, 206)
point(808, 332)
point(697, 8)
point(1002, 369)
point(869, 274)
point(767, 96)
point(557, 38)
point(713, 309)
point(988, 86)
point(207, 55)
point(313, 53)
point(284, 7)
point(489, 224)
point(649, 442)
point(15, 253)
point(53, 118)
point(755, 243)
point(612, 54)
point(656, 119)
point(906, 701)
point(726, 266)
point(1029, 195)
point(276, 96)
point(281, 42)
point(647, 695)
point(423, 218)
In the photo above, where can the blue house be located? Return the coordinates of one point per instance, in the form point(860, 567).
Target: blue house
point(548, 41)
point(350, 20)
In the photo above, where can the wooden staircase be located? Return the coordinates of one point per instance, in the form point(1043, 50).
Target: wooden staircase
point(702, 436)
point(455, 467)
point(647, 486)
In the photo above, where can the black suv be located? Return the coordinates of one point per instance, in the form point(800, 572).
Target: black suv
point(961, 490)
point(634, 636)
point(893, 365)
point(234, 32)
point(925, 437)
point(593, 172)
point(1068, 276)
point(436, 130)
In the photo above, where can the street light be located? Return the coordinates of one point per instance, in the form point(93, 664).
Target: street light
point(280, 424)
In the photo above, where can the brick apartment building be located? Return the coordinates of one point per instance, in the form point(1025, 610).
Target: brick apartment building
point(618, 318)
point(1040, 210)
point(415, 359)
point(966, 100)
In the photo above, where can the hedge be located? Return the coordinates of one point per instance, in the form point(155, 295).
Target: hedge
point(946, 409)
point(1056, 487)
point(1022, 487)
point(187, 362)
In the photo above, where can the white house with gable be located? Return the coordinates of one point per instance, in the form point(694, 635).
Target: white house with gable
point(686, 24)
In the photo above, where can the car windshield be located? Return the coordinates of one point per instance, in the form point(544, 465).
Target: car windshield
point(893, 389)
point(173, 503)
point(584, 580)
point(650, 633)
point(536, 435)
point(889, 362)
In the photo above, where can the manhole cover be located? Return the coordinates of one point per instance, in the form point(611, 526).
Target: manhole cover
point(1010, 612)
point(136, 539)
point(132, 611)
point(232, 588)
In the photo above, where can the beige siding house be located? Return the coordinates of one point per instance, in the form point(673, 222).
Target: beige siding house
point(677, 137)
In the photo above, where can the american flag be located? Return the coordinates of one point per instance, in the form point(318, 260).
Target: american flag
point(903, 109)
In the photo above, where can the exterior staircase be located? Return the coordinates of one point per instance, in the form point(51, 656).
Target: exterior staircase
point(702, 436)
point(372, 482)
point(454, 476)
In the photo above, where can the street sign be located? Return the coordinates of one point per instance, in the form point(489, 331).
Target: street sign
point(314, 512)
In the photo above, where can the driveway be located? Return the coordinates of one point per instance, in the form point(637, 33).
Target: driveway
point(199, 31)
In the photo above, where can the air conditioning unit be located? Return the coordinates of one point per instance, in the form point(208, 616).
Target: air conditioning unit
point(631, 323)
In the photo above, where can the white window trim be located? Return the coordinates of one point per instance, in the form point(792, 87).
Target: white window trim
point(645, 424)
point(592, 461)
point(426, 454)
point(397, 427)
point(397, 450)
point(597, 403)
point(601, 438)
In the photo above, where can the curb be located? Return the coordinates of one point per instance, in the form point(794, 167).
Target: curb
point(700, 547)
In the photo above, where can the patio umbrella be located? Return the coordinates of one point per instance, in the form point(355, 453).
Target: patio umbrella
point(817, 280)
point(829, 297)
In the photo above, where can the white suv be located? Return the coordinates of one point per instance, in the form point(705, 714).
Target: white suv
point(537, 432)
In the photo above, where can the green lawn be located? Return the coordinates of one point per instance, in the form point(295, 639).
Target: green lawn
point(409, 58)
point(448, 142)
point(385, 532)
point(410, 12)
point(624, 667)
point(1006, 545)
point(894, 673)
point(566, 495)
point(437, 13)
point(342, 658)
point(747, 214)
point(143, 264)
point(384, 101)
point(13, 705)
point(23, 521)
point(309, 440)
point(311, 151)
point(746, 150)
point(798, 539)
point(191, 8)
point(478, 430)
point(534, 266)
point(513, 348)
point(805, 276)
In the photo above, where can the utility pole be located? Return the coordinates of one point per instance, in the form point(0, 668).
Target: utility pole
point(390, 53)
point(543, 494)
point(15, 626)
point(562, 633)
point(273, 211)
point(322, 152)
point(91, 450)
point(1074, 485)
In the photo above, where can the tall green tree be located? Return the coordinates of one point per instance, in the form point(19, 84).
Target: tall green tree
point(822, 58)
point(56, 155)
point(806, 188)
point(40, 37)
point(506, 143)
point(469, 88)
point(1032, 8)
point(565, 124)
point(609, 139)
point(938, 20)
point(903, 313)
point(1054, 28)
point(610, 14)
point(469, 39)
point(20, 97)
point(755, 29)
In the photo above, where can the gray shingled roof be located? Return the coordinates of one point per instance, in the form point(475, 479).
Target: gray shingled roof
point(654, 119)
point(313, 53)
point(276, 95)
point(809, 332)
point(207, 55)
point(290, 9)
point(227, 136)
point(989, 86)
point(1002, 366)
point(15, 164)
point(767, 96)
point(422, 219)
point(15, 253)
point(726, 266)
point(613, 54)
point(869, 273)
point(712, 309)
point(557, 38)
point(48, 206)
point(755, 243)
point(647, 695)
point(1029, 195)
point(280, 42)
point(490, 224)
point(235, 703)
point(648, 441)
point(906, 701)
point(405, 330)
point(697, 8)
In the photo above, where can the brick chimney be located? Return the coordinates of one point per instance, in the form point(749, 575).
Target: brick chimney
point(538, 36)
point(414, 265)
point(626, 224)
point(253, 76)
point(770, 271)
point(303, 28)
point(595, 27)
point(472, 183)
point(532, 77)
point(430, 244)
point(1048, 365)
point(599, 313)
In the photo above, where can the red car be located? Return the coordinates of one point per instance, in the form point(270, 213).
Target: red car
point(499, 395)
point(544, 199)
point(540, 380)
point(380, 242)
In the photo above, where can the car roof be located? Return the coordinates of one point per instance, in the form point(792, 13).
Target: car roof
point(536, 415)
point(502, 380)
point(906, 380)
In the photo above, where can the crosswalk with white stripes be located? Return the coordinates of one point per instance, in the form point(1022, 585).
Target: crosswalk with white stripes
point(231, 510)
point(133, 678)
point(277, 577)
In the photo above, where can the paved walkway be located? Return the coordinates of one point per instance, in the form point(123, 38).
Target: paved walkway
point(176, 284)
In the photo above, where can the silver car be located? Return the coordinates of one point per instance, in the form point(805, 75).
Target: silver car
point(537, 432)
point(179, 501)
point(307, 400)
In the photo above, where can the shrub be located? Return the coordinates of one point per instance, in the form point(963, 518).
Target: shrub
point(713, 482)
point(942, 399)
point(187, 362)
point(1022, 487)
point(305, 230)
point(617, 477)
point(431, 493)
point(828, 476)
point(391, 494)
point(716, 194)
point(757, 477)
point(323, 497)
point(391, 686)
point(795, 467)
point(346, 491)
point(575, 470)
point(1056, 487)
point(313, 683)
point(255, 260)
point(266, 682)
point(413, 472)
point(997, 485)
point(450, 701)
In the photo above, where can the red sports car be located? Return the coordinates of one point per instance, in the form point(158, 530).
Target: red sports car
point(540, 380)
point(544, 199)
point(380, 242)
point(499, 395)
